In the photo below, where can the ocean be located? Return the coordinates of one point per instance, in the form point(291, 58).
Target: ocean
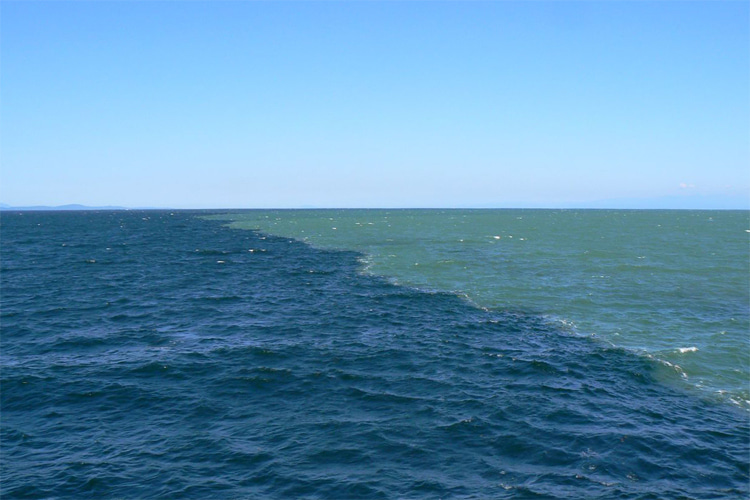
point(390, 354)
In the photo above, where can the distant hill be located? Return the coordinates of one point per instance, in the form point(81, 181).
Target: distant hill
point(4, 206)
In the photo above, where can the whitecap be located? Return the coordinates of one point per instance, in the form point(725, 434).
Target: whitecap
point(683, 350)
point(675, 367)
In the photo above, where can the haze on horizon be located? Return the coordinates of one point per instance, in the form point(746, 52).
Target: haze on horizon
point(375, 104)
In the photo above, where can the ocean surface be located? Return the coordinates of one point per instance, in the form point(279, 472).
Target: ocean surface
point(391, 354)
point(672, 285)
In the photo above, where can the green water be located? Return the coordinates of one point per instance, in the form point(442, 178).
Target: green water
point(671, 285)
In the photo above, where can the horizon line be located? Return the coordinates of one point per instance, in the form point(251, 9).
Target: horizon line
point(87, 208)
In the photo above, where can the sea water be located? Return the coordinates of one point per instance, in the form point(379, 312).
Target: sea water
point(157, 354)
point(668, 284)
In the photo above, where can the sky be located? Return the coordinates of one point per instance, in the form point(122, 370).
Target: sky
point(375, 104)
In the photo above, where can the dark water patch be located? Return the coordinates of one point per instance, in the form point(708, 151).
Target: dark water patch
point(286, 373)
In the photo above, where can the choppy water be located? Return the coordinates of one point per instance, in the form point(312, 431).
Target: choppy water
point(673, 285)
point(163, 355)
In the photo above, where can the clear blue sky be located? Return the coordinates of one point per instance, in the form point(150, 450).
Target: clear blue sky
point(375, 104)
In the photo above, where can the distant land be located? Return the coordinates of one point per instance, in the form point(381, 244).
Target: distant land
point(3, 206)
point(684, 202)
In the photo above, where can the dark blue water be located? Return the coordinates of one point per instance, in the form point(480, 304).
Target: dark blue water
point(159, 355)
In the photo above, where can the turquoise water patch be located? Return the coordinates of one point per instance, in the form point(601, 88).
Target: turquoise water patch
point(672, 285)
